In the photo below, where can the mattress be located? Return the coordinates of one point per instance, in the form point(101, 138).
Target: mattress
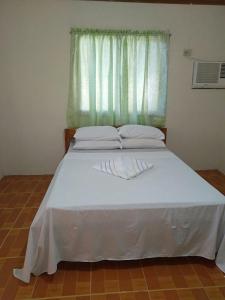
point(87, 215)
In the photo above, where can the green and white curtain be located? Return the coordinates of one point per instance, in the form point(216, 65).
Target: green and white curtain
point(117, 77)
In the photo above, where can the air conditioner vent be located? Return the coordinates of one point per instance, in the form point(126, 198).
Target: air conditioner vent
point(222, 71)
point(209, 75)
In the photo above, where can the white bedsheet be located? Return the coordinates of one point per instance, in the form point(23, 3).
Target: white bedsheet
point(87, 215)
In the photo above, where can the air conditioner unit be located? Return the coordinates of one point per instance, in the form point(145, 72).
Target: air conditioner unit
point(208, 75)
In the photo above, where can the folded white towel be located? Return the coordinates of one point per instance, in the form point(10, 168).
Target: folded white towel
point(124, 167)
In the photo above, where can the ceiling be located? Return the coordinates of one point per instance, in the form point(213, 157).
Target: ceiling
point(201, 2)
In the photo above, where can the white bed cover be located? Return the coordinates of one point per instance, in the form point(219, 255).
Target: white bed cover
point(87, 215)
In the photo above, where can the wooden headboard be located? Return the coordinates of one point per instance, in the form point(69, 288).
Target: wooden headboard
point(69, 133)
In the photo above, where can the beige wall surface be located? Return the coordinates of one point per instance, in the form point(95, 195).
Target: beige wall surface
point(1, 172)
point(222, 164)
point(34, 75)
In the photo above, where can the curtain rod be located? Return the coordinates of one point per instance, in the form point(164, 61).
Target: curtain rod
point(99, 30)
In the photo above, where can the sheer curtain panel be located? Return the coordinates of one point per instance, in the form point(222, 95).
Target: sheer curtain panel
point(117, 77)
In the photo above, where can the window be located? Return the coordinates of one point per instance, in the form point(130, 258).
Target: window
point(117, 77)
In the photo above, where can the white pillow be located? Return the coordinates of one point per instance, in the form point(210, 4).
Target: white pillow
point(97, 133)
point(141, 132)
point(96, 145)
point(142, 143)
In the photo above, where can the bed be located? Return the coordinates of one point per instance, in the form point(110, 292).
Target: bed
point(87, 216)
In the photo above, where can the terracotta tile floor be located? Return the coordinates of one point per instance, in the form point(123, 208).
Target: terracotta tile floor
point(150, 279)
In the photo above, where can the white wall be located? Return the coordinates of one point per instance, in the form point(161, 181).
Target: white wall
point(1, 168)
point(34, 69)
point(222, 164)
point(1, 173)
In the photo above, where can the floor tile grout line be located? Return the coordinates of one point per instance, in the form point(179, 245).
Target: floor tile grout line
point(10, 230)
point(13, 224)
point(17, 181)
point(13, 228)
point(91, 268)
point(119, 292)
point(11, 208)
point(3, 241)
point(35, 284)
point(24, 207)
point(11, 257)
point(195, 271)
point(31, 193)
point(5, 187)
point(142, 269)
point(36, 277)
point(20, 228)
point(177, 288)
point(18, 216)
point(6, 228)
point(17, 207)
